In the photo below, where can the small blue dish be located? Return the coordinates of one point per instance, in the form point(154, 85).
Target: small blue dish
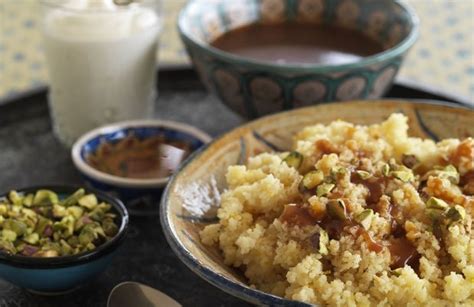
point(141, 196)
point(57, 275)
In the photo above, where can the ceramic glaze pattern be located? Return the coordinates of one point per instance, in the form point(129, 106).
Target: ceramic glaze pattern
point(202, 178)
point(253, 88)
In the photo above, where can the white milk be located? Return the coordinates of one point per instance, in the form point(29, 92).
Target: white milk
point(102, 64)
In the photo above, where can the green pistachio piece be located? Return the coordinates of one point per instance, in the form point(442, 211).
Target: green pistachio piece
point(87, 235)
point(365, 218)
point(110, 228)
point(436, 203)
point(404, 174)
point(97, 214)
point(9, 235)
point(324, 189)
point(45, 197)
point(386, 170)
point(3, 209)
point(90, 246)
point(74, 198)
point(15, 198)
point(88, 201)
point(7, 246)
point(435, 214)
point(363, 174)
point(336, 208)
point(32, 238)
point(456, 213)
point(451, 173)
point(16, 226)
point(75, 211)
point(59, 211)
point(337, 172)
point(312, 179)
point(28, 200)
point(2, 219)
point(66, 249)
point(294, 159)
point(323, 242)
point(397, 272)
point(73, 241)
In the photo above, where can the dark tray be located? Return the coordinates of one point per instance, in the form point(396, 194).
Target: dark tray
point(30, 155)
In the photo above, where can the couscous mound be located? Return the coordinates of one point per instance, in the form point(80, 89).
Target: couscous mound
point(354, 215)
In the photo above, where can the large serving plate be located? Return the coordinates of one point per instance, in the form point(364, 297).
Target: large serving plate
point(192, 196)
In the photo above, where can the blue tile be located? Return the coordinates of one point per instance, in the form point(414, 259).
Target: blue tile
point(425, 53)
point(453, 78)
point(28, 23)
point(18, 57)
point(452, 21)
point(463, 53)
point(458, 36)
point(35, 66)
point(470, 70)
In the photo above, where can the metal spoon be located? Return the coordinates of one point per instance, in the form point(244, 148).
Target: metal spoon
point(131, 293)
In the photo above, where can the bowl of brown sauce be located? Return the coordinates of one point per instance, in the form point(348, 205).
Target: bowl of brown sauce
point(265, 56)
point(133, 160)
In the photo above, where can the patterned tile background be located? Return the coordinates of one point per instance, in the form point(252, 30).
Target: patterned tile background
point(442, 58)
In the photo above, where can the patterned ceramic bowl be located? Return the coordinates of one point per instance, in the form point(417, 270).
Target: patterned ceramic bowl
point(140, 195)
point(192, 197)
point(57, 275)
point(254, 88)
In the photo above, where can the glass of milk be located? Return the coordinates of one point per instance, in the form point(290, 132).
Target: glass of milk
point(101, 58)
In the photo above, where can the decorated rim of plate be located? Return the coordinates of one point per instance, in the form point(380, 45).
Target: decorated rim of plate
point(389, 53)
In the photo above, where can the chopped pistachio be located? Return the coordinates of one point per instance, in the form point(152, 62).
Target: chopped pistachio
point(45, 197)
point(436, 203)
point(32, 238)
point(456, 213)
point(16, 199)
point(16, 226)
point(324, 189)
point(365, 218)
point(336, 208)
point(397, 272)
point(363, 174)
point(54, 228)
point(88, 201)
point(435, 214)
point(337, 172)
point(74, 198)
point(294, 159)
point(75, 211)
point(7, 246)
point(28, 200)
point(59, 211)
point(323, 242)
point(9, 235)
point(386, 170)
point(403, 173)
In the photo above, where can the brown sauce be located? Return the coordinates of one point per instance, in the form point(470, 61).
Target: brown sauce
point(297, 215)
point(298, 43)
point(403, 253)
point(133, 158)
point(375, 185)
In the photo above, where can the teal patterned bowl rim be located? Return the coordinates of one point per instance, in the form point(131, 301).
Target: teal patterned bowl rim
point(222, 282)
point(389, 53)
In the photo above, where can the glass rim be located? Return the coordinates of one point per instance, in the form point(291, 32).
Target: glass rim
point(119, 8)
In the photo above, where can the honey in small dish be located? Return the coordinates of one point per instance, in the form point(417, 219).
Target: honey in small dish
point(151, 158)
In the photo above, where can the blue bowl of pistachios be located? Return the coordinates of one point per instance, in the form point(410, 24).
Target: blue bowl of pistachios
point(53, 239)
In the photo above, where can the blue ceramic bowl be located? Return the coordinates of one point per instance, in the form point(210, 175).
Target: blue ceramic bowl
point(141, 196)
point(61, 274)
point(253, 88)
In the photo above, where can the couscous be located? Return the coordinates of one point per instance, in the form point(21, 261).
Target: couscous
point(354, 215)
